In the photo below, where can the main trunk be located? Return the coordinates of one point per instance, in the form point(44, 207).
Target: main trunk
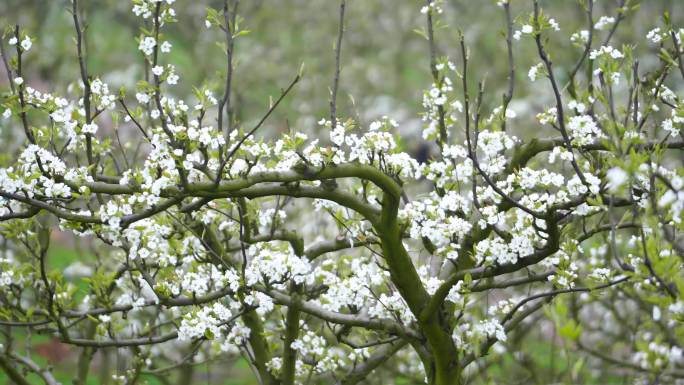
point(446, 373)
point(441, 358)
point(441, 365)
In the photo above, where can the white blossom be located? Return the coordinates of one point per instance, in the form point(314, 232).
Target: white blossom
point(603, 22)
point(26, 43)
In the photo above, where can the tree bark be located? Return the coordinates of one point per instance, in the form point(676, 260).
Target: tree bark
point(443, 363)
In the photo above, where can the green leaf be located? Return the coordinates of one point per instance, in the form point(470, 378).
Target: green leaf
point(571, 330)
point(208, 334)
point(421, 33)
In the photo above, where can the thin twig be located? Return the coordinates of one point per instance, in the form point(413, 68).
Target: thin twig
point(258, 125)
point(230, 17)
point(8, 70)
point(84, 78)
point(336, 78)
point(128, 112)
point(508, 96)
point(22, 101)
point(587, 48)
point(435, 73)
point(556, 91)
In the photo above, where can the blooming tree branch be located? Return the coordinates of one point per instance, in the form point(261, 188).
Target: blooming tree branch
point(340, 262)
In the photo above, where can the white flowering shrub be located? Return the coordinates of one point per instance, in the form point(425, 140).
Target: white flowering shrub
point(342, 258)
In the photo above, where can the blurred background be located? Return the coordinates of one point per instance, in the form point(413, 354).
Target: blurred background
point(384, 72)
point(384, 60)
